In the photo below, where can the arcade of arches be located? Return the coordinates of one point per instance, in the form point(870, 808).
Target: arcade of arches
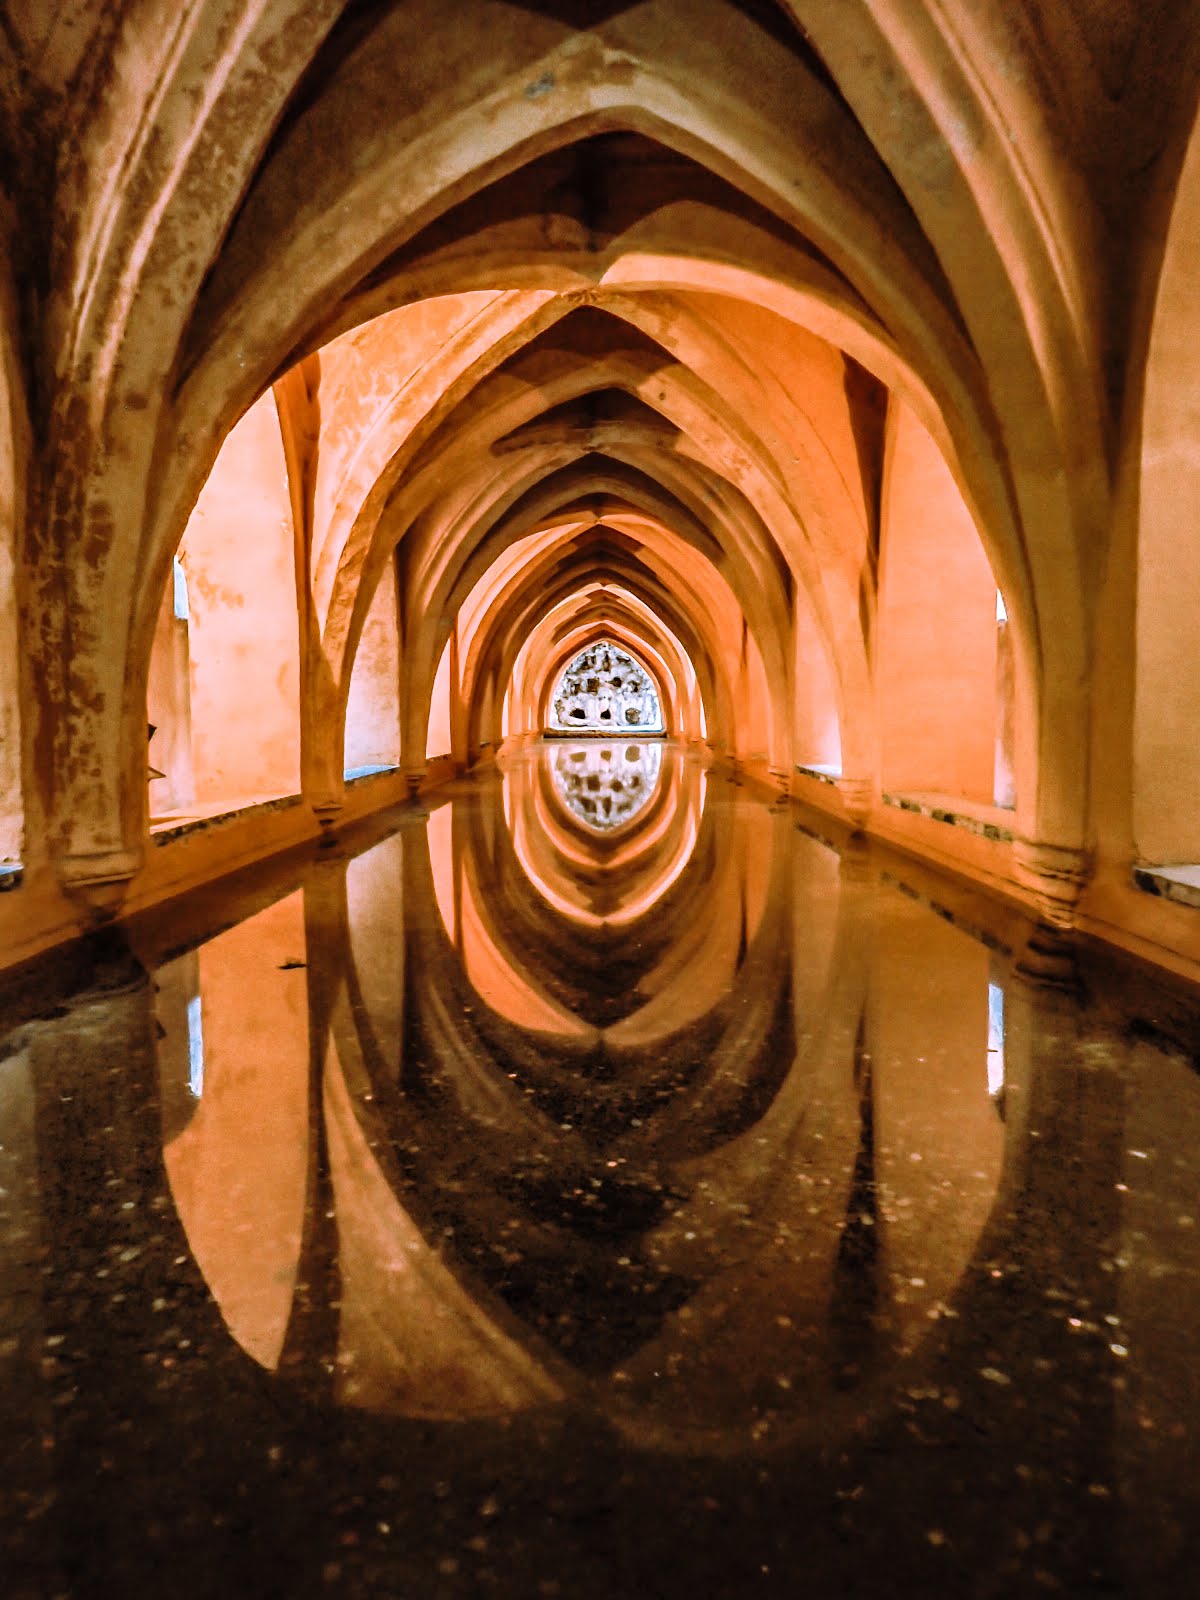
point(364, 361)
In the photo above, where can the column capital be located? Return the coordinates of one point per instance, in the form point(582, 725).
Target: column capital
point(99, 879)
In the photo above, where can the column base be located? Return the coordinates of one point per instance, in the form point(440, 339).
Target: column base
point(1056, 875)
point(327, 812)
point(858, 799)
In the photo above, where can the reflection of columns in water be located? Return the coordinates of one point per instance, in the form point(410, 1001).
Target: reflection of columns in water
point(859, 1296)
point(777, 1117)
point(311, 1341)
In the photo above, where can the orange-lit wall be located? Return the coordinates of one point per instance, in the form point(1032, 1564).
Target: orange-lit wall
point(816, 739)
point(244, 638)
point(437, 742)
point(1166, 749)
point(937, 627)
point(169, 709)
point(373, 707)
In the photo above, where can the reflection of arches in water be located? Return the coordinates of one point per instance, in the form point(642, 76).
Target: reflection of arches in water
point(671, 1169)
point(605, 689)
point(593, 877)
point(237, 1154)
point(606, 785)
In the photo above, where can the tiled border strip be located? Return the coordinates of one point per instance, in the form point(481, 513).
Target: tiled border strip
point(957, 819)
point(191, 825)
point(815, 772)
point(1180, 884)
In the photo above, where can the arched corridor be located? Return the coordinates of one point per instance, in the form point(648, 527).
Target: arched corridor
point(722, 339)
point(600, 497)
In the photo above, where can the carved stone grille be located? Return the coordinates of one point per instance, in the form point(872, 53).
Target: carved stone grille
point(605, 690)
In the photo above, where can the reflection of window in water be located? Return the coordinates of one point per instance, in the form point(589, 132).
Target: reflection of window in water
point(179, 1011)
point(195, 1027)
point(604, 689)
point(606, 785)
point(995, 1045)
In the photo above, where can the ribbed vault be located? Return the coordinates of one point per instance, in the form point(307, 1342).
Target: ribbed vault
point(570, 317)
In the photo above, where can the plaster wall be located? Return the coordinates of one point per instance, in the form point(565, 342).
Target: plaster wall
point(1166, 750)
point(795, 385)
point(239, 558)
point(11, 450)
point(816, 737)
point(169, 711)
point(373, 706)
point(936, 662)
point(437, 742)
point(1166, 767)
point(366, 407)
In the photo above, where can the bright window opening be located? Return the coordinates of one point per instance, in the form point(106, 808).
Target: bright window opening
point(179, 590)
point(605, 690)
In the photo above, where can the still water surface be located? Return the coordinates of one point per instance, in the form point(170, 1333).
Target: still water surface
point(602, 1185)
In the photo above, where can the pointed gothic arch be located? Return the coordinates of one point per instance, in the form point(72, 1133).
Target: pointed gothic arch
point(605, 689)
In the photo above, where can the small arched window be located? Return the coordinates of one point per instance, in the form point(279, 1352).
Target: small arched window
point(605, 690)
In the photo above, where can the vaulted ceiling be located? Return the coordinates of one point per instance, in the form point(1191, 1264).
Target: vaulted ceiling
point(584, 314)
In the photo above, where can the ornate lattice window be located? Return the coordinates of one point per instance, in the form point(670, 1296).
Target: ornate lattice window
point(605, 690)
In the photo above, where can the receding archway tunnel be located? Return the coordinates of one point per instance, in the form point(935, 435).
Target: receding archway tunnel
point(597, 690)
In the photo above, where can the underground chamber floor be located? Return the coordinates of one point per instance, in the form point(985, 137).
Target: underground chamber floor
point(599, 1185)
